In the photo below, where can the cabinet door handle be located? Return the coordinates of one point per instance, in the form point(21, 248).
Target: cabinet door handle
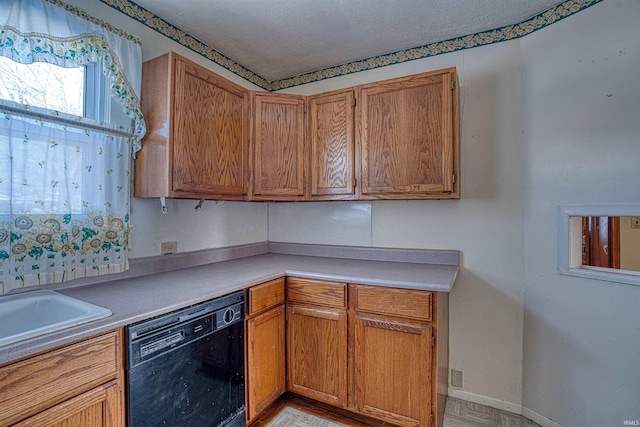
point(605, 248)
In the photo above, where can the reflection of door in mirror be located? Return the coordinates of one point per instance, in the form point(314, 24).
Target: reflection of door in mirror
point(601, 241)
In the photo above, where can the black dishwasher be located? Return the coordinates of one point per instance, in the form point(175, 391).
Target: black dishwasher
point(186, 368)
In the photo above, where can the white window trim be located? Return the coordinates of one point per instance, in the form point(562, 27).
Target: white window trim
point(570, 243)
point(97, 98)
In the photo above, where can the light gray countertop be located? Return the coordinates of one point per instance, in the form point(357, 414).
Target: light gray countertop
point(133, 299)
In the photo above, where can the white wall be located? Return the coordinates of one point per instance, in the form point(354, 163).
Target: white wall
point(581, 82)
point(486, 224)
point(229, 224)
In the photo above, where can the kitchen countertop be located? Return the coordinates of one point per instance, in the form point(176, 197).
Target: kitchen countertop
point(138, 298)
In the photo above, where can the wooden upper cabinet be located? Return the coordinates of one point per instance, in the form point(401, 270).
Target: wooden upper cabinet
point(210, 138)
point(332, 145)
point(408, 137)
point(278, 146)
point(197, 133)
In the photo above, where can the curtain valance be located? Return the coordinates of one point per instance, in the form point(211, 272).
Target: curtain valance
point(54, 32)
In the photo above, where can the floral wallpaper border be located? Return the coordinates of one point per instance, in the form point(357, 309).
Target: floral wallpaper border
point(510, 32)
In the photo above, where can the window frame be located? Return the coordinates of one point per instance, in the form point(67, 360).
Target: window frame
point(97, 101)
point(570, 242)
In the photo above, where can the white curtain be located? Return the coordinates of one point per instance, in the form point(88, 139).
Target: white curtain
point(64, 180)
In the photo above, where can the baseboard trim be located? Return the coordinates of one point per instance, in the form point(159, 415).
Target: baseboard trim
point(486, 401)
point(539, 419)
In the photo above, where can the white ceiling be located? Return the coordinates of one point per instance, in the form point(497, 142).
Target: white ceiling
point(277, 39)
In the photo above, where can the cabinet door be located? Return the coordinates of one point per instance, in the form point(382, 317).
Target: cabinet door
point(317, 353)
point(265, 360)
point(37, 383)
point(98, 407)
point(407, 137)
point(392, 370)
point(210, 133)
point(278, 147)
point(332, 143)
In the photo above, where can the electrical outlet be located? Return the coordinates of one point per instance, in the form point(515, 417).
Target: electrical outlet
point(635, 222)
point(456, 378)
point(168, 248)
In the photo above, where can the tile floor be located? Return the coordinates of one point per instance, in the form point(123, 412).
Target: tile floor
point(458, 413)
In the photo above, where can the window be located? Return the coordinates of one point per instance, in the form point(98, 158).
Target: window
point(43, 85)
point(80, 91)
point(69, 120)
point(600, 242)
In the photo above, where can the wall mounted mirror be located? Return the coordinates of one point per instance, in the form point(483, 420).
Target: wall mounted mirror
point(600, 242)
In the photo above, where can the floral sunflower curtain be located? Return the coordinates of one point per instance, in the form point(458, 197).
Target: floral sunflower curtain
point(64, 179)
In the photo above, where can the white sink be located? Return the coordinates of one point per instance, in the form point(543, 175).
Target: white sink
point(30, 314)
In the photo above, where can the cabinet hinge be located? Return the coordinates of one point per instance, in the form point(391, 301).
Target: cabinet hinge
point(305, 108)
point(354, 102)
point(355, 182)
point(453, 179)
point(431, 417)
point(304, 184)
point(433, 341)
point(453, 84)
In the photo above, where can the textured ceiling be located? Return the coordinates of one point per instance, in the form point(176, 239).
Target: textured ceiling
point(277, 39)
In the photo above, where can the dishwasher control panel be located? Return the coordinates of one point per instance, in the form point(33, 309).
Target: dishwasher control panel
point(153, 337)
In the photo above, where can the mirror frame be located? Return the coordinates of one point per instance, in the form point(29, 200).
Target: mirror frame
point(570, 243)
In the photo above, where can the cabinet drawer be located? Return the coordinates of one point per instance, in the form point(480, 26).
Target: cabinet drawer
point(38, 383)
point(317, 292)
point(265, 296)
point(407, 303)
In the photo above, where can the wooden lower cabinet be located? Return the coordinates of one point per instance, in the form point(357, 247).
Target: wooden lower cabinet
point(77, 385)
point(265, 360)
point(317, 340)
point(265, 347)
point(392, 372)
point(98, 407)
point(317, 353)
point(375, 351)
